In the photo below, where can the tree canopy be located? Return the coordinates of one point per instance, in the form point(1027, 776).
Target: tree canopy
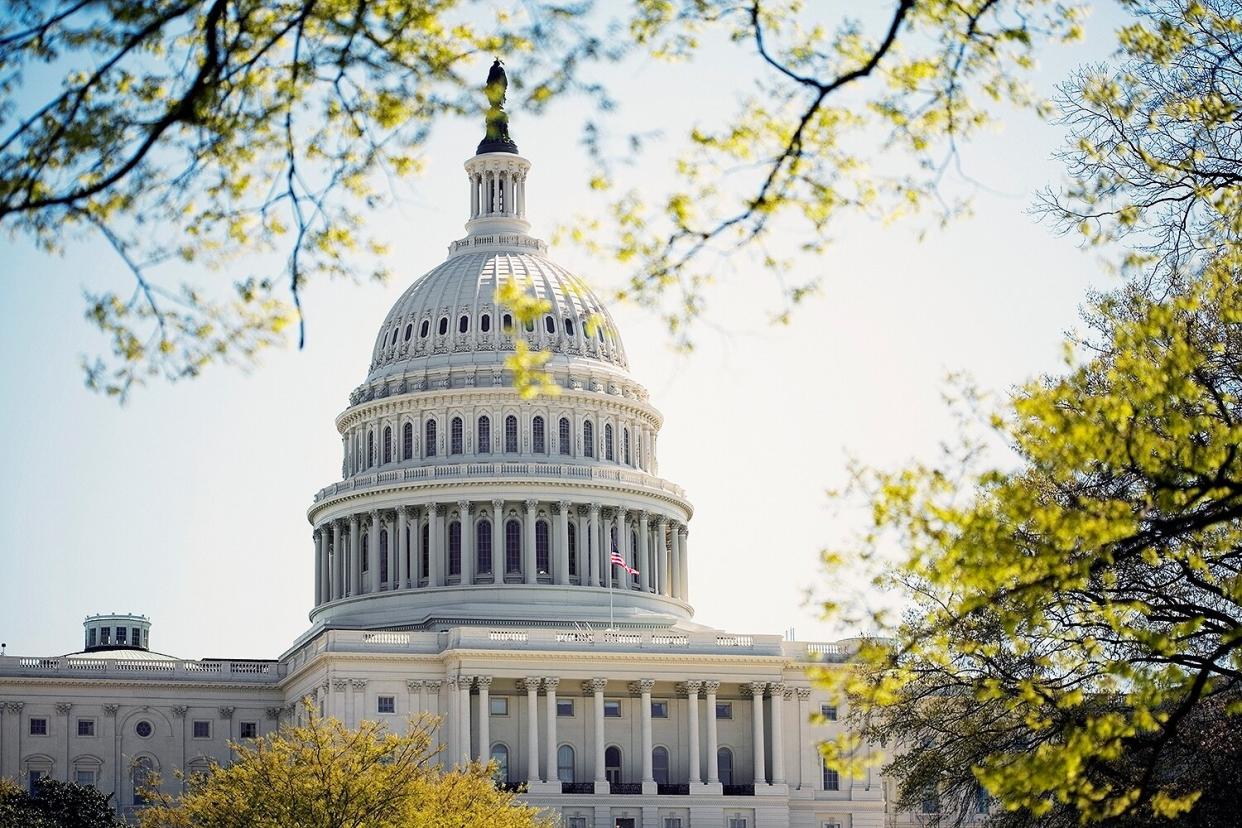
point(1073, 644)
point(324, 775)
point(55, 804)
point(204, 136)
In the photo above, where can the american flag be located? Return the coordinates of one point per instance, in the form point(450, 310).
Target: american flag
point(620, 561)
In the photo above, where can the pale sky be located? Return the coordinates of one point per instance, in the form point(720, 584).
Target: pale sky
point(189, 504)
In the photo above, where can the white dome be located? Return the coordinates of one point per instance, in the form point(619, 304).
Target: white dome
point(449, 317)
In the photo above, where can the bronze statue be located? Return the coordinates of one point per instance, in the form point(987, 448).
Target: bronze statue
point(497, 137)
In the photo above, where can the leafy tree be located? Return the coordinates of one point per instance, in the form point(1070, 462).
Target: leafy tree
point(324, 775)
point(56, 805)
point(1074, 638)
point(199, 134)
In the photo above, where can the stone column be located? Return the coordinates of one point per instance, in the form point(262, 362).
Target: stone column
point(451, 723)
point(355, 559)
point(550, 684)
point(643, 688)
point(498, 537)
point(713, 764)
point(692, 708)
point(756, 717)
point(528, 543)
point(435, 540)
point(591, 538)
point(532, 730)
point(602, 549)
point(359, 701)
point(778, 732)
point(62, 713)
point(415, 693)
point(432, 689)
point(403, 552)
point(623, 545)
point(674, 565)
point(683, 559)
point(373, 551)
point(394, 564)
point(562, 542)
point(336, 588)
point(662, 580)
point(318, 537)
point(586, 572)
point(804, 693)
point(485, 719)
point(466, 511)
point(644, 562)
point(596, 686)
point(463, 713)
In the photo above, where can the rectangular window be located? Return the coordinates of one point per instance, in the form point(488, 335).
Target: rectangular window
point(737, 821)
point(90, 637)
point(577, 822)
point(724, 710)
point(672, 822)
point(387, 704)
point(122, 634)
point(202, 729)
point(612, 708)
point(831, 779)
point(832, 823)
point(564, 708)
point(828, 711)
point(84, 778)
point(38, 727)
point(249, 730)
point(35, 776)
point(498, 705)
point(105, 635)
point(659, 709)
point(86, 727)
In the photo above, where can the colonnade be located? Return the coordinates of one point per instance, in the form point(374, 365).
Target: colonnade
point(497, 192)
point(498, 541)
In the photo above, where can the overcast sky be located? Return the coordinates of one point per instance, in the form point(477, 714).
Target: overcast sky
point(189, 504)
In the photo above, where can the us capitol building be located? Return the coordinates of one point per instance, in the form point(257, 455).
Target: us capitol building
point(462, 567)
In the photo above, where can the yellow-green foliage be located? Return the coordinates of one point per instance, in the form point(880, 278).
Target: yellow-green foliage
point(324, 775)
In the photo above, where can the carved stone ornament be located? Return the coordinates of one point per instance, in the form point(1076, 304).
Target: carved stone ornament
point(484, 682)
point(595, 685)
point(63, 708)
point(641, 686)
point(110, 709)
point(226, 712)
point(804, 693)
point(340, 684)
point(179, 710)
point(433, 686)
point(550, 683)
point(691, 688)
point(413, 685)
point(273, 713)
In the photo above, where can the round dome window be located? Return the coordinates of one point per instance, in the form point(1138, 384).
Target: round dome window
point(144, 729)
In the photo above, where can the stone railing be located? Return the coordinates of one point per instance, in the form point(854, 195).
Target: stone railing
point(505, 239)
point(454, 471)
point(249, 672)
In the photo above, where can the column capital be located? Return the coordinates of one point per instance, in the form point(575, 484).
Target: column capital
point(414, 684)
point(359, 683)
point(643, 516)
point(453, 682)
point(484, 682)
point(658, 519)
point(432, 686)
point(353, 520)
point(498, 506)
point(551, 682)
point(464, 506)
point(109, 709)
point(683, 530)
point(776, 688)
point(711, 686)
point(405, 512)
point(595, 685)
point(63, 708)
point(530, 684)
point(594, 508)
point(179, 710)
point(641, 686)
point(273, 713)
point(690, 688)
point(226, 712)
point(374, 513)
point(340, 684)
point(436, 508)
point(754, 688)
point(531, 505)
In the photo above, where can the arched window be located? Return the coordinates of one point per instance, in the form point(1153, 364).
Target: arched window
point(536, 436)
point(429, 439)
point(463, 324)
point(485, 322)
point(513, 546)
point(542, 563)
point(407, 441)
point(573, 548)
point(454, 545)
point(506, 323)
point(455, 436)
point(659, 765)
point(563, 437)
point(830, 778)
point(607, 441)
point(366, 552)
point(569, 327)
point(724, 765)
point(500, 755)
point(425, 557)
point(140, 774)
point(409, 331)
point(387, 444)
point(483, 546)
point(443, 327)
point(511, 434)
point(565, 763)
point(370, 449)
point(485, 435)
point(529, 325)
point(625, 445)
point(612, 765)
point(383, 556)
point(424, 328)
point(599, 332)
point(588, 439)
point(549, 324)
